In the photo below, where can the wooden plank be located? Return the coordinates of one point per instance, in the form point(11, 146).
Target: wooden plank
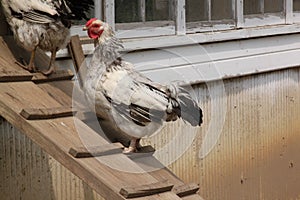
point(9, 70)
point(193, 197)
point(76, 51)
point(146, 190)
point(14, 76)
point(103, 150)
point(61, 91)
point(46, 113)
point(59, 75)
point(107, 174)
point(160, 196)
point(186, 189)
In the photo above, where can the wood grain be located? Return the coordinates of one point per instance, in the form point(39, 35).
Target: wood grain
point(103, 150)
point(146, 190)
point(46, 113)
point(186, 190)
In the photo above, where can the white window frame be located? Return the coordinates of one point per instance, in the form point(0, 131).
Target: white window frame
point(245, 27)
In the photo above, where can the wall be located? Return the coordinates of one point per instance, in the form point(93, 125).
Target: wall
point(247, 148)
point(254, 152)
point(29, 173)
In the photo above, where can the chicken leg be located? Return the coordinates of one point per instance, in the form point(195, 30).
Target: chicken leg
point(133, 147)
point(51, 68)
point(31, 66)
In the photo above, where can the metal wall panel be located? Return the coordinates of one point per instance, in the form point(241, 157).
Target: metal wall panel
point(255, 152)
point(28, 173)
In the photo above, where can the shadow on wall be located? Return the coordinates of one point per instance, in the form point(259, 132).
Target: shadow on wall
point(29, 173)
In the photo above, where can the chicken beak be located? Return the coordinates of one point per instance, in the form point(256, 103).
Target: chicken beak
point(85, 28)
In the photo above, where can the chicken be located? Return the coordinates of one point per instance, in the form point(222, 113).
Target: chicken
point(44, 24)
point(131, 104)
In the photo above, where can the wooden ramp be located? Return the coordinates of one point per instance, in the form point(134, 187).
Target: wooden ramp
point(40, 107)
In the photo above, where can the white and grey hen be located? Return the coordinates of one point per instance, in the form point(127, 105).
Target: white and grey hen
point(44, 24)
point(130, 103)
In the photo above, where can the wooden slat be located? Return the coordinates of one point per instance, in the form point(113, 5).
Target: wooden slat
point(103, 150)
point(146, 190)
point(59, 75)
point(76, 51)
point(186, 190)
point(46, 113)
point(12, 77)
point(160, 196)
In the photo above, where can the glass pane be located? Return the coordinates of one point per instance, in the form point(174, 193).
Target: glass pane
point(296, 5)
point(221, 9)
point(273, 6)
point(199, 10)
point(195, 10)
point(263, 6)
point(127, 11)
point(252, 7)
point(134, 11)
point(157, 10)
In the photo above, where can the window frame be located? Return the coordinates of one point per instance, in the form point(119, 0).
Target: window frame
point(105, 9)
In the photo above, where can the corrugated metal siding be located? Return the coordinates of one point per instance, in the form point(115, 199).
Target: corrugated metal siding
point(255, 157)
point(257, 153)
point(27, 172)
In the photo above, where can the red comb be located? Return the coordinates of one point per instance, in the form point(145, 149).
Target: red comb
point(90, 22)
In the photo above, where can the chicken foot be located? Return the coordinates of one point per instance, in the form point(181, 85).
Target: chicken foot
point(133, 147)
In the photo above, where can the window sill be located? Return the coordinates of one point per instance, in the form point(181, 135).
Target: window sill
point(135, 44)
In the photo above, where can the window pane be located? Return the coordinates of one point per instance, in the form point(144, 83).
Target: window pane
point(221, 9)
point(141, 10)
point(252, 7)
point(273, 6)
point(263, 6)
point(195, 10)
point(296, 5)
point(127, 11)
point(157, 10)
point(199, 10)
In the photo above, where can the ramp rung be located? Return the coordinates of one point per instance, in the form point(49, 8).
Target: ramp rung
point(12, 77)
point(107, 149)
point(59, 75)
point(186, 189)
point(46, 113)
point(146, 190)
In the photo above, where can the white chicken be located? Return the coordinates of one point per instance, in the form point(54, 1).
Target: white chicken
point(131, 104)
point(44, 24)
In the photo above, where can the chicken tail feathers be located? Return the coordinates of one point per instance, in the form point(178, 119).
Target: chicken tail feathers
point(190, 111)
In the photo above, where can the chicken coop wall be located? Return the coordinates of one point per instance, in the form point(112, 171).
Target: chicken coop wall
point(256, 154)
point(27, 172)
